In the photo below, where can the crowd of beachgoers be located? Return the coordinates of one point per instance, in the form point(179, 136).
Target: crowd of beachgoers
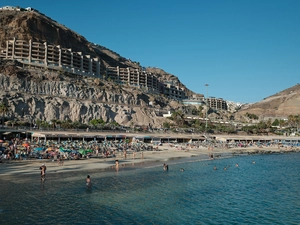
point(24, 149)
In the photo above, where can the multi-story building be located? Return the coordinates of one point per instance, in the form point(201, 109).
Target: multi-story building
point(55, 57)
point(216, 103)
point(173, 92)
point(10, 8)
point(51, 56)
point(133, 77)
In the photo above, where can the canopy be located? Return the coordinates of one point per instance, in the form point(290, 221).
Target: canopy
point(84, 151)
point(38, 135)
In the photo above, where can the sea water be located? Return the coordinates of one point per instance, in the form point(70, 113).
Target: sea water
point(263, 189)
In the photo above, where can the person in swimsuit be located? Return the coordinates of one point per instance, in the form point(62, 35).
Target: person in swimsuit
point(165, 167)
point(117, 165)
point(43, 171)
point(88, 181)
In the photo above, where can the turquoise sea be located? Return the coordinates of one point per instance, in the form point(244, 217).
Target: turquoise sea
point(264, 192)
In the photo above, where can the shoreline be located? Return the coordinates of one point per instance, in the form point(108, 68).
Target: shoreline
point(163, 154)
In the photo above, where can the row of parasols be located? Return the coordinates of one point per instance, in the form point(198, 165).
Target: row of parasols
point(53, 151)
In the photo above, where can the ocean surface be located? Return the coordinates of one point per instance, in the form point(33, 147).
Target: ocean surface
point(264, 192)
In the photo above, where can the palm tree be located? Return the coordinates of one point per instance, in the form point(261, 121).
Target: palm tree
point(200, 113)
point(3, 109)
point(178, 118)
point(282, 123)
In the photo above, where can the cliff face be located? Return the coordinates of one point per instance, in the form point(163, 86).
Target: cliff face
point(47, 95)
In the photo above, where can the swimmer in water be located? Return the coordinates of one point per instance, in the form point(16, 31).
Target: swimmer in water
point(237, 165)
point(181, 169)
point(88, 181)
point(215, 168)
point(253, 162)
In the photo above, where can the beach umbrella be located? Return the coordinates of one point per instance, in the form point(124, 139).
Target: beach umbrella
point(38, 149)
point(25, 144)
point(82, 151)
point(65, 150)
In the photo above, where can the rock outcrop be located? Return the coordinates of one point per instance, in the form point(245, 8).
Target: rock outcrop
point(46, 95)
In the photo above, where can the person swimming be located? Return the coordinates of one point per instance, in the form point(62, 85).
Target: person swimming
point(237, 165)
point(181, 169)
point(88, 181)
point(215, 168)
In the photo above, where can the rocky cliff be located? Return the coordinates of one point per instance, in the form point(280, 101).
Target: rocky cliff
point(47, 95)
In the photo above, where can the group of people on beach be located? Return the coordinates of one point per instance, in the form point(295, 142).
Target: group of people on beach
point(14, 148)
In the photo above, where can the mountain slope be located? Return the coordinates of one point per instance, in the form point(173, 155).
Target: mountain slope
point(282, 104)
point(34, 25)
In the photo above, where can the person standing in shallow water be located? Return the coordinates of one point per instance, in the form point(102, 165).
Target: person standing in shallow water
point(43, 171)
point(117, 165)
point(165, 167)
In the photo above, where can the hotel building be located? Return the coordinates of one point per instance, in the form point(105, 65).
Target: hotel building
point(51, 56)
point(133, 77)
point(44, 55)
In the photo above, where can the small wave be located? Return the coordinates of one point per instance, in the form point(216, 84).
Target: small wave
point(153, 166)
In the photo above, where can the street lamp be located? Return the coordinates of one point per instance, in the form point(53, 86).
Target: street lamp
point(206, 85)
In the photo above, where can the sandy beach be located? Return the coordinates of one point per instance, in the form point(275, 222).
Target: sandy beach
point(162, 154)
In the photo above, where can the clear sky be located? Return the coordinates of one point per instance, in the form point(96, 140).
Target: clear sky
point(245, 50)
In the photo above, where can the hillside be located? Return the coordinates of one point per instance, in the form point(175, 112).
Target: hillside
point(282, 104)
point(26, 25)
point(45, 95)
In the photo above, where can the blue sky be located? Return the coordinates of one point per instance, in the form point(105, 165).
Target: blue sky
point(245, 50)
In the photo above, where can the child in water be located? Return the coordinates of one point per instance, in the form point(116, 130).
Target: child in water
point(88, 181)
point(43, 171)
